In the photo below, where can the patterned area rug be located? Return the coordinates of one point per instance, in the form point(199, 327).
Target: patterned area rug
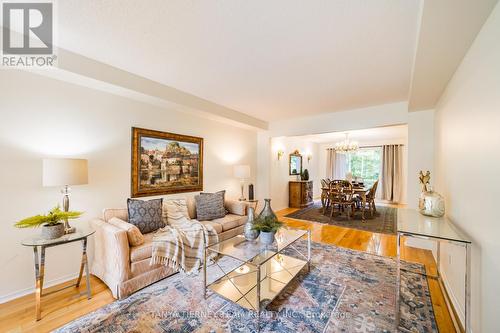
point(345, 291)
point(383, 221)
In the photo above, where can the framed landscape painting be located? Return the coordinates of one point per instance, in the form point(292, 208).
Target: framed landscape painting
point(165, 163)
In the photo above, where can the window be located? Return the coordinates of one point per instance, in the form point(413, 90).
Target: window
point(366, 164)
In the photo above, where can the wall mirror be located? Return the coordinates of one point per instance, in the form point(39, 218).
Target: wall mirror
point(295, 163)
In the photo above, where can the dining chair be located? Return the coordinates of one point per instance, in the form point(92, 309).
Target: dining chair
point(341, 195)
point(370, 198)
point(325, 189)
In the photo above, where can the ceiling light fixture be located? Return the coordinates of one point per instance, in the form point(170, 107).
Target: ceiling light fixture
point(346, 146)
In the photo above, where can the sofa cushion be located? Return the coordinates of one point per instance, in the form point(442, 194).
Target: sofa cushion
point(146, 214)
point(143, 251)
point(109, 213)
point(230, 221)
point(236, 207)
point(175, 211)
point(134, 235)
point(210, 206)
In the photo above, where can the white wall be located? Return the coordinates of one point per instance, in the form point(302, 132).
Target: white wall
point(42, 117)
point(420, 151)
point(467, 166)
point(279, 174)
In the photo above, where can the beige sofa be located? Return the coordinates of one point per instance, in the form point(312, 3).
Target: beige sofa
point(126, 269)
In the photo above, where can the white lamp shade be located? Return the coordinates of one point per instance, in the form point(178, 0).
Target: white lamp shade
point(242, 171)
point(64, 171)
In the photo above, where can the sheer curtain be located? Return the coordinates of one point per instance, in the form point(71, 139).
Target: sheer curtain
point(391, 174)
point(336, 164)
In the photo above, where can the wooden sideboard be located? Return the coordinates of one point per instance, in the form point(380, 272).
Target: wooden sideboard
point(300, 193)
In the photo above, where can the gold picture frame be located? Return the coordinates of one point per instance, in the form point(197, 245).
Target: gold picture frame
point(295, 163)
point(165, 163)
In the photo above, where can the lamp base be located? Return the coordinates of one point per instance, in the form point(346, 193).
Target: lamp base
point(67, 228)
point(242, 197)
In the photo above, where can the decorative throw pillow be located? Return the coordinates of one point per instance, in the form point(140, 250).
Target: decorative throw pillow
point(135, 238)
point(210, 206)
point(175, 211)
point(191, 206)
point(145, 215)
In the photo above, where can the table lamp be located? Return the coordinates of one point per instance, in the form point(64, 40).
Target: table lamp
point(65, 172)
point(242, 172)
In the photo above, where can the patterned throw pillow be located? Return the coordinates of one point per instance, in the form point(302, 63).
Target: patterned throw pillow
point(210, 206)
point(175, 211)
point(145, 215)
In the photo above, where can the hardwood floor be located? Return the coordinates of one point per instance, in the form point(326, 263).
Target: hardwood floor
point(62, 307)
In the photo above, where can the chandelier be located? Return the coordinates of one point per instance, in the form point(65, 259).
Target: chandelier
point(346, 146)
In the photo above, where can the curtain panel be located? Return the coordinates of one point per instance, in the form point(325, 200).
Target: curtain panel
point(391, 174)
point(336, 164)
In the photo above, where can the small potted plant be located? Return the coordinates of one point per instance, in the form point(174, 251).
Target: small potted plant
point(267, 225)
point(305, 175)
point(52, 223)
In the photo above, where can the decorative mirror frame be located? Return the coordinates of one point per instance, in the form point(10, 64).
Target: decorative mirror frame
point(295, 154)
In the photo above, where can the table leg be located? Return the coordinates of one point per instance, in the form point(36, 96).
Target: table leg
point(438, 259)
point(258, 298)
point(82, 266)
point(398, 281)
point(87, 273)
point(39, 275)
point(467, 287)
point(308, 250)
point(363, 199)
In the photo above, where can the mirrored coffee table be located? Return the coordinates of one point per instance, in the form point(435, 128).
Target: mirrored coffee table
point(264, 270)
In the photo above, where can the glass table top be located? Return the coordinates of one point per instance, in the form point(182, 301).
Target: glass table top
point(410, 221)
point(254, 251)
point(80, 233)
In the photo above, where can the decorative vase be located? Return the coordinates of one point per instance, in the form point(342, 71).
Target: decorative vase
point(431, 203)
point(267, 238)
point(249, 233)
point(52, 231)
point(267, 210)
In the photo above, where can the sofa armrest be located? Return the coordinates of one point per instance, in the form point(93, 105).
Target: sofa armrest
point(111, 254)
point(236, 207)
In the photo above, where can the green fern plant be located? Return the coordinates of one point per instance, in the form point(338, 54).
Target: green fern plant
point(55, 216)
point(267, 224)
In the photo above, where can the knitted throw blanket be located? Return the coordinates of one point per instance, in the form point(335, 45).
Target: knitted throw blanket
point(181, 246)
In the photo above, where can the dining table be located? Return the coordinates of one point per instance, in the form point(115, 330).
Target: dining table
point(359, 190)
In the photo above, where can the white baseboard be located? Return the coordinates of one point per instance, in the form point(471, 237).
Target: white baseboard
point(31, 290)
point(453, 299)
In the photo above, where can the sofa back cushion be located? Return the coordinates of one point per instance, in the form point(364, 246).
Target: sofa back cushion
point(175, 211)
point(146, 215)
point(134, 235)
point(210, 206)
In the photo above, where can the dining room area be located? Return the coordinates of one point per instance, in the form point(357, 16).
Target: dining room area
point(354, 179)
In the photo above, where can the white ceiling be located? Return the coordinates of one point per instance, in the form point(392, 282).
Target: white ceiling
point(447, 31)
point(397, 133)
point(270, 59)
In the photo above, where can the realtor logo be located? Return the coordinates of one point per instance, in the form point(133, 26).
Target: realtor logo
point(28, 32)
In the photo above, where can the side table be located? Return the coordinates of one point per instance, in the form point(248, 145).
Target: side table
point(415, 225)
point(81, 234)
